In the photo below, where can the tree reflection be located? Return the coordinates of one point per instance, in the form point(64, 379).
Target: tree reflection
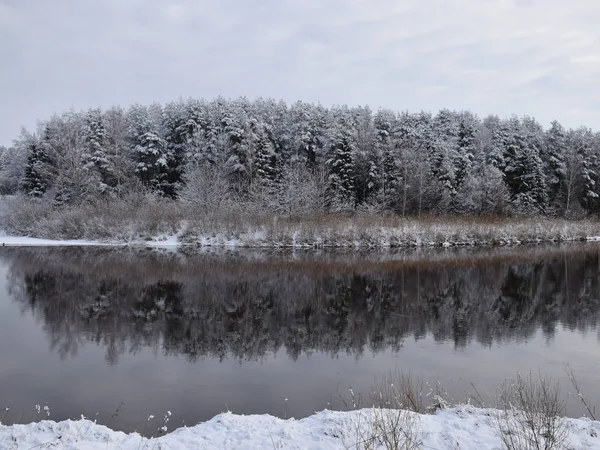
point(231, 306)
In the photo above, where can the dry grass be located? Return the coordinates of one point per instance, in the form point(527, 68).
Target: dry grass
point(530, 414)
point(392, 419)
point(142, 216)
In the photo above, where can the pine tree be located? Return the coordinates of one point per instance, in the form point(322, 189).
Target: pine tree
point(367, 158)
point(34, 182)
point(441, 140)
point(386, 174)
point(147, 147)
point(494, 135)
point(304, 134)
point(524, 172)
point(233, 126)
point(200, 148)
point(465, 155)
point(95, 157)
point(583, 143)
point(176, 137)
point(554, 153)
point(341, 152)
point(265, 166)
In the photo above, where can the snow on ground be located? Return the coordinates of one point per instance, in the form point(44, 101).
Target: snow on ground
point(164, 242)
point(25, 241)
point(260, 239)
point(463, 427)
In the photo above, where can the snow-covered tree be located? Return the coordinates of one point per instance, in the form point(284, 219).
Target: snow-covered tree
point(13, 161)
point(553, 154)
point(199, 131)
point(305, 135)
point(466, 148)
point(483, 191)
point(118, 151)
point(266, 165)
point(147, 147)
point(409, 163)
point(35, 182)
point(524, 171)
point(205, 189)
point(386, 172)
point(493, 137)
point(175, 125)
point(234, 123)
point(342, 148)
point(582, 142)
point(301, 191)
point(95, 155)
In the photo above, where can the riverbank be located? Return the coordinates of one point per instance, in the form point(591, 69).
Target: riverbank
point(356, 231)
point(463, 427)
point(151, 221)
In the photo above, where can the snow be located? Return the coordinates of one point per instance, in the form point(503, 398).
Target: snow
point(25, 241)
point(411, 234)
point(164, 241)
point(463, 427)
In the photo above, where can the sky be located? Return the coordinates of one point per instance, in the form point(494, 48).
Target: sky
point(528, 57)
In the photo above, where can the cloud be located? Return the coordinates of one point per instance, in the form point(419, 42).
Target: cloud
point(535, 57)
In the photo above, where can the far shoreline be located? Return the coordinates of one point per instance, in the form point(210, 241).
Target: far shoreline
point(82, 227)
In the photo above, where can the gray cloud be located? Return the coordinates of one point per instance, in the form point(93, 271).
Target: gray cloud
point(535, 57)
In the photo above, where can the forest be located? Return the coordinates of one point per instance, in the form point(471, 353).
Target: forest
point(301, 159)
point(339, 158)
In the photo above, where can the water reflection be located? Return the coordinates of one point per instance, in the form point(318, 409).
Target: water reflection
point(249, 305)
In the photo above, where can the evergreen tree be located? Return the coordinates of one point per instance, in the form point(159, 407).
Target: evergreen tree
point(583, 143)
point(197, 132)
point(554, 152)
point(147, 147)
point(95, 157)
point(524, 172)
point(367, 159)
point(233, 126)
point(494, 135)
point(341, 148)
point(34, 181)
point(265, 164)
point(175, 124)
point(388, 175)
point(441, 140)
point(304, 134)
point(465, 155)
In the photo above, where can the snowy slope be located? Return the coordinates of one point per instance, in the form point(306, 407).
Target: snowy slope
point(463, 427)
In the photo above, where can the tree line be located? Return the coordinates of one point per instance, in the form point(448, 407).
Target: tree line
point(304, 158)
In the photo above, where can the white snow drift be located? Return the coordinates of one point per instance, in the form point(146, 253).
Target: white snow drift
point(463, 427)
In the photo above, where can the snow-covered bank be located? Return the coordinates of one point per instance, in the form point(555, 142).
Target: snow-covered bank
point(27, 241)
point(262, 239)
point(326, 231)
point(463, 427)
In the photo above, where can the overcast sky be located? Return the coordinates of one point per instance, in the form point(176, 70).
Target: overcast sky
point(535, 57)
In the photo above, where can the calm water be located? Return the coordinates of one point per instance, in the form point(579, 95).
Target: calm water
point(88, 330)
